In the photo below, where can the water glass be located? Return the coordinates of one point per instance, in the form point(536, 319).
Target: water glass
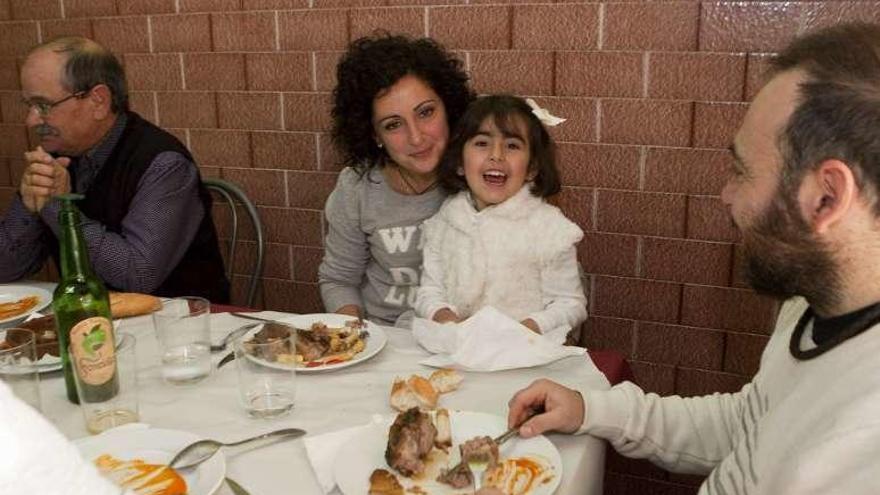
point(112, 404)
point(267, 371)
point(183, 328)
point(18, 367)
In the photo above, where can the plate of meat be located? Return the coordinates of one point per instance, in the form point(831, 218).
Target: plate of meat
point(412, 452)
point(324, 342)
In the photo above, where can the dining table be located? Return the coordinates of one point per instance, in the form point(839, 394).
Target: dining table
point(326, 402)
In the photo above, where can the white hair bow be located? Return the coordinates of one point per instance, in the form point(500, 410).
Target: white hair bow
point(544, 115)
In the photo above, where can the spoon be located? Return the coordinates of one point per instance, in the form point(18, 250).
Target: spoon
point(198, 452)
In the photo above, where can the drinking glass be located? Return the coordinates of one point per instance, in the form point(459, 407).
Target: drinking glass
point(112, 405)
point(267, 370)
point(183, 328)
point(18, 366)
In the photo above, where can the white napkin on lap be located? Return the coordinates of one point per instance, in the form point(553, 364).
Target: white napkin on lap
point(487, 341)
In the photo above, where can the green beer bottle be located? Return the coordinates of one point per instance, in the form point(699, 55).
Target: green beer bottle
point(82, 314)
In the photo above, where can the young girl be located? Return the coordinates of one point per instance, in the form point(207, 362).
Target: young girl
point(497, 242)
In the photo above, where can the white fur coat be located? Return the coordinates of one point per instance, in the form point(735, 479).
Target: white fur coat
point(519, 256)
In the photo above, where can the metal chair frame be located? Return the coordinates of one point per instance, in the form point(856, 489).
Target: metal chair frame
point(232, 194)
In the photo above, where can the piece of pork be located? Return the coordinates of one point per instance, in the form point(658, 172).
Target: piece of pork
point(312, 345)
point(410, 439)
point(480, 449)
point(458, 477)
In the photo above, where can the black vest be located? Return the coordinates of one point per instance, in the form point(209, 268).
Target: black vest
point(200, 271)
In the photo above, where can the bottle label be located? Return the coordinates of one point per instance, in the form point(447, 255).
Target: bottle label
point(94, 349)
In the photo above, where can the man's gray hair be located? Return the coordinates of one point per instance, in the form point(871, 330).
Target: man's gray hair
point(89, 64)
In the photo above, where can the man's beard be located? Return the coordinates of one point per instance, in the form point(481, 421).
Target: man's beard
point(783, 259)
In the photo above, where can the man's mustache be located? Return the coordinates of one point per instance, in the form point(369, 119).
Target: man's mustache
point(45, 130)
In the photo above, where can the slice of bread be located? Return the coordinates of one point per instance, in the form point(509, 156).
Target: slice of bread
point(424, 391)
point(403, 397)
point(445, 380)
point(123, 304)
point(444, 430)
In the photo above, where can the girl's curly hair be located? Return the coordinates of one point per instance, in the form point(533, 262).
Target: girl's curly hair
point(375, 63)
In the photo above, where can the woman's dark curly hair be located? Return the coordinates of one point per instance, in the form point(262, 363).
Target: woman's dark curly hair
point(507, 112)
point(375, 63)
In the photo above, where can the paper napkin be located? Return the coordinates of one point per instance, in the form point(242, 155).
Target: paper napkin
point(487, 341)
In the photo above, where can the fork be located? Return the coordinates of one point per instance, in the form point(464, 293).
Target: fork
point(479, 465)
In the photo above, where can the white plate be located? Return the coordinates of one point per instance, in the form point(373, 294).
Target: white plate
point(375, 342)
point(156, 446)
point(366, 452)
point(12, 293)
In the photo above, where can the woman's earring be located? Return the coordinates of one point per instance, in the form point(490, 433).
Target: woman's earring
point(379, 145)
point(460, 171)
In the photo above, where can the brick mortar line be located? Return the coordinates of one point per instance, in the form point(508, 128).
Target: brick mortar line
point(318, 151)
point(150, 33)
point(281, 103)
point(314, 61)
point(182, 72)
point(61, 4)
point(427, 23)
point(277, 32)
point(601, 40)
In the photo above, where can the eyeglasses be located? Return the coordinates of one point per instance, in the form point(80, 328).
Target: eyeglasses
point(45, 107)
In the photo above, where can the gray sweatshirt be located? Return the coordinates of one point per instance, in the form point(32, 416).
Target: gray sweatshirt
point(373, 248)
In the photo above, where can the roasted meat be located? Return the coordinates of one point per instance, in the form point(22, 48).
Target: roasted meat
point(312, 344)
point(46, 338)
point(480, 449)
point(410, 439)
point(458, 477)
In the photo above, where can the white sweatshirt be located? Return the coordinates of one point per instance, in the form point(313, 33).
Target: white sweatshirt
point(35, 458)
point(799, 427)
point(519, 256)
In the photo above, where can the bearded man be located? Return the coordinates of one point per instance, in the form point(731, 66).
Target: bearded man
point(804, 193)
point(146, 214)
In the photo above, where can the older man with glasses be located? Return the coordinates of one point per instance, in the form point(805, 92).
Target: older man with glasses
point(147, 218)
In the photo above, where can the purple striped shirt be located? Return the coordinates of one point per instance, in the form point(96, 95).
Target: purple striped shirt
point(161, 222)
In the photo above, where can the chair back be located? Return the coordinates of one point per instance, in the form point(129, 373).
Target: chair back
point(233, 195)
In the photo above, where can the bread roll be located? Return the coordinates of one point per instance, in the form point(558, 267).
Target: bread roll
point(402, 397)
point(384, 483)
point(414, 392)
point(445, 380)
point(123, 304)
point(444, 430)
point(424, 391)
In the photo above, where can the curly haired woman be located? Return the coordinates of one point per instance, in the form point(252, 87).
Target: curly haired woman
point(395, 101)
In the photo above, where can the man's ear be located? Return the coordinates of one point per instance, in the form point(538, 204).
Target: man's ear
point(102, 99)
point(826, 195)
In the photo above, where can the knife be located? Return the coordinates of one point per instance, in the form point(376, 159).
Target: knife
point(226, 359)
point(236, 488)
point(251, 317)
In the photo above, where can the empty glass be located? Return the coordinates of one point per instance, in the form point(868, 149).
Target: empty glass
point(184, 332)
point(18, 365)
point(266, 361)
point(112, 404)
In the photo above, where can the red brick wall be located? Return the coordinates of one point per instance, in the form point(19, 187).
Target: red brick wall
point(653, 92)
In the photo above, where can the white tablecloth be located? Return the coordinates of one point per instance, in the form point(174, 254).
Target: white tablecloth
point(324, 402)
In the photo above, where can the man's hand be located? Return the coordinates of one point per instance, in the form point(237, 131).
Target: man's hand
point(531, 325)
point(43, 178)
point(446, 315)
point(563, 409)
